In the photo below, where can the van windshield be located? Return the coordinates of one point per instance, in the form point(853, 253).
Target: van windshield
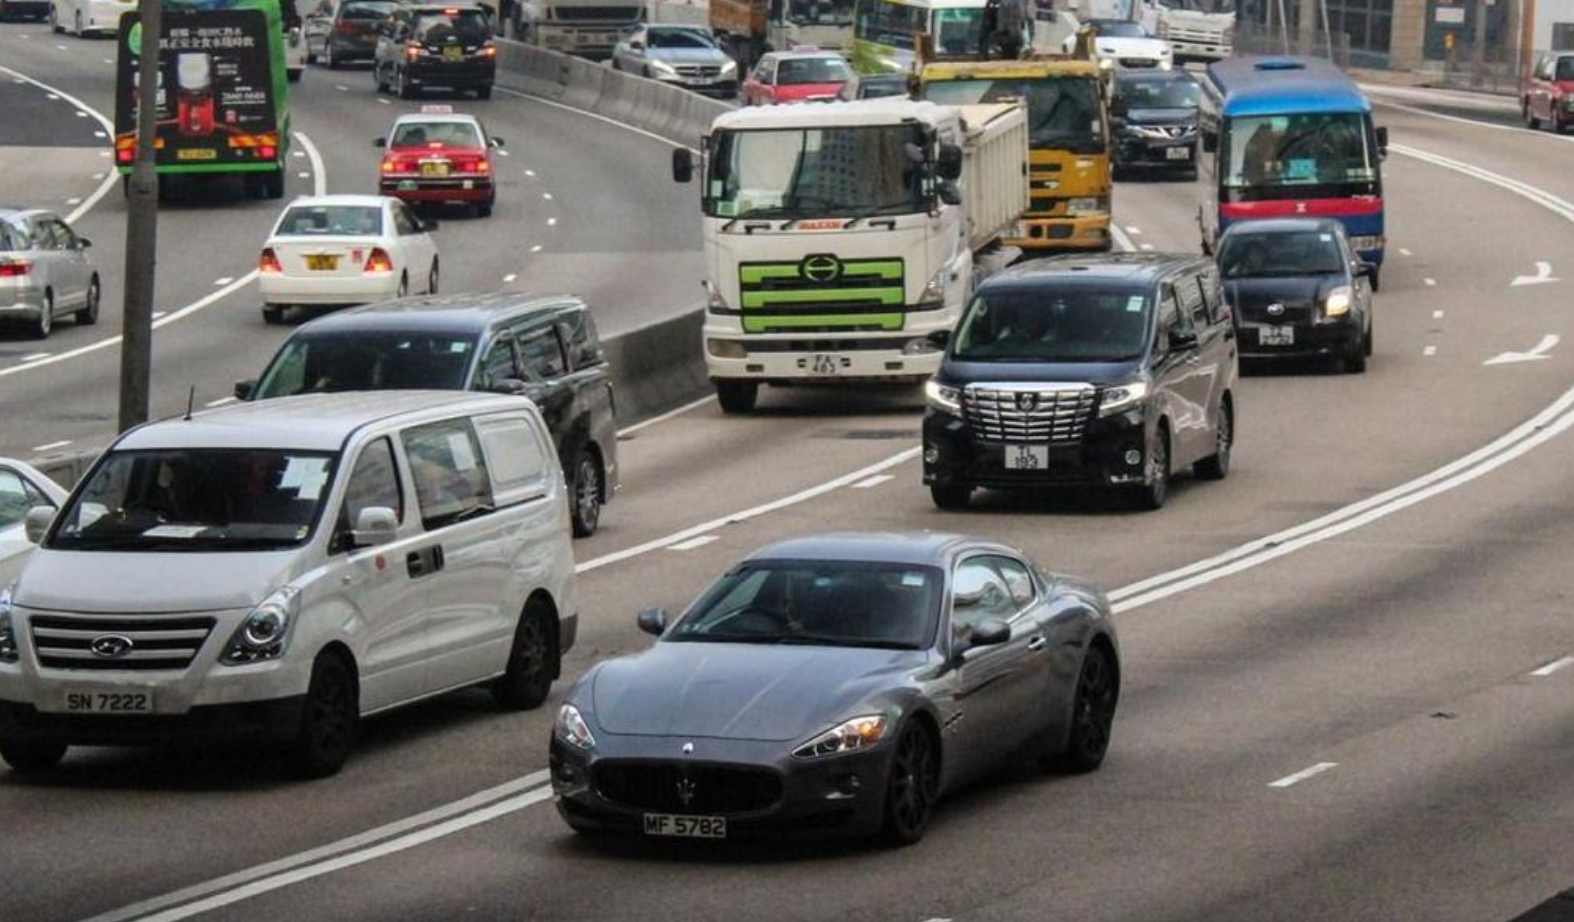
point(197, 500)
point(1061, 325)
point(363, 361)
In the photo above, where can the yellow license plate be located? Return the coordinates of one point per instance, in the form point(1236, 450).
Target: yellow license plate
point(322, 263)
point(434, 169)
point(453, 54)
point(197, 153)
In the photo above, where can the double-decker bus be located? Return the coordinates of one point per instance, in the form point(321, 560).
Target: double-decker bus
point(1285, 136)
point(887, 33)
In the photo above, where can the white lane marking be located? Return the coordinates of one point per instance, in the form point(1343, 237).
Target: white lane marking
point(1145, 247)
point(530, 173)
point(304, 175)
point(109, 60)
point(51, 446)
point(52, 96)
point(502, 153)
point(73, 201)
point(157, 314)
point(224, 281)
point(547, 196)
point(342, 88)
point(1303, 774)
point(1543, 276)
point(1430, 283)
point(110, 180)
point(551, 222)
point(1429, 350)
point(60, 48)
point(36, 356)
point(679, 411)
point(536, 248)
point(693, 543)
point(1553, 666)
point(494, 796)
point(872, 482)
point(592, 115)
point(1536, 354)
point(1120, 238)
point(222, 401)
point(1133, 230)
point(1437, 315)
point(297, 153)
point(99, 134)
point(509, 278)
point(319, 171)
point(384, 101)
point(1473, 122)
point(81, 114)
point(98, 175)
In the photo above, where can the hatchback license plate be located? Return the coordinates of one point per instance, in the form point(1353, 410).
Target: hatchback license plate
point(1276, 336)
point(1027, 457)
point(1178, 153)
point(321, 263)
point(96, 702)
point(688, 827)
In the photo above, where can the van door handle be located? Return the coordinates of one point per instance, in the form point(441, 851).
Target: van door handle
point(415, 563)
point(438, 560)
point(1036, 644)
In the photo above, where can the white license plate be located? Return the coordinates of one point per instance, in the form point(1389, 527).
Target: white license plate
point(688, 827)
point(1178, 153)
point(823, 364)
point(100, 702)
point(1276, 336)
point(1026, 457)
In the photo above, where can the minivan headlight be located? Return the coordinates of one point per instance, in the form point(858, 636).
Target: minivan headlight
point(1337, 304)
point(9, 652)
point(572, 729)
point(1123, 397)
point(265, 631)
point(943, 396)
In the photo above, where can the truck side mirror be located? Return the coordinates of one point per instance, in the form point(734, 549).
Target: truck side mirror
point(948, 192)
point(1382, 142)
point(948, 165)
point(682, 165)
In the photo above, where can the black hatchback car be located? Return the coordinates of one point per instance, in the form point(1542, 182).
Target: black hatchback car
point(1153, 116)
point(1299, 290)
point(337, 35)
point(426, 45)
point(1085, 371)
point(544, 347)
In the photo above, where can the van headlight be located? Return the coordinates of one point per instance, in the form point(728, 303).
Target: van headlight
point(1123, 397)
point(943, 396)
point(1337, 304)
point(9, 651)
point(571, 728)
point(265, 631)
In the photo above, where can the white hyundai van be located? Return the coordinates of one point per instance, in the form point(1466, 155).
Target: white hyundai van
point(281, 569)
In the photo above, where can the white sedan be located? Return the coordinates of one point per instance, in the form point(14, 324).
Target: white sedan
point(342, 250)
point(21, 489)
point(1125, 45)
point(79, 17)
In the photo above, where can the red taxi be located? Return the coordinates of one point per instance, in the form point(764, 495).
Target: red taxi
point(437, 157)
point(800, 75)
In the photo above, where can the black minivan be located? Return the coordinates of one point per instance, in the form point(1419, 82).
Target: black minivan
point(1085, 371)
point(541, 346)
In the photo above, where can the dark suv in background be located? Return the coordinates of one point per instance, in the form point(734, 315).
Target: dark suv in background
point(1153, 118)
point(1085, 371)
point(337, 35)
point(425, 45)
point(541, 346)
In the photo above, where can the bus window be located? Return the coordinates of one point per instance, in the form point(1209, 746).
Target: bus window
point(1292, 150)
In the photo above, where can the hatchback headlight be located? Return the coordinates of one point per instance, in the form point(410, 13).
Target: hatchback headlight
point(9, 652)
point(571, 728)
point(856, 734)
point(1337, 304)
point(943, 396)
point(1121, 398)
point(265, 631)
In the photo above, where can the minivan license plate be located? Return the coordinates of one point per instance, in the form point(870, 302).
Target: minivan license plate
point(689, 827)
point(1027, 457)
point(98, 702)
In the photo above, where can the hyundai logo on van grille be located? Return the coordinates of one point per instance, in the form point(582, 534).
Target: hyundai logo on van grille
point(111, 646)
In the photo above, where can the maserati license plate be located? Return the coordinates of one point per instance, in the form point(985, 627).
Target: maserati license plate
point(688, 827)
point(1027, 457)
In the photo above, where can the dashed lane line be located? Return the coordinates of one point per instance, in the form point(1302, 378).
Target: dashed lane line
point(109, 127)
point(1302, 775)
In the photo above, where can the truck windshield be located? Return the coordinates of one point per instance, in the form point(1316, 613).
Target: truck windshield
point(1316, 149)
point(197, 500)
point(958, 31)
point(817, 172)
point(1063, 112)
point(1074, 324)
point(820, 12)
point(367, 361)
point(1225, 7)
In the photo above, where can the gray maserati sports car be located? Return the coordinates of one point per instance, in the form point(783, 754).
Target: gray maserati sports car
point(839, 683)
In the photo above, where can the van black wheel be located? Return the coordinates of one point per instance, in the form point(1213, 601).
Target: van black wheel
point(432, 279)
point(272, 314)
point(1217, 465)
point(1092, 714)
point(950, 496)
point(585, 493)
point(88, 315)
point(737, 396)
point(377, 77)
point(1156, 491)
point(911, 786)
point(525, 683)
point(28, 757)
point(328, 719)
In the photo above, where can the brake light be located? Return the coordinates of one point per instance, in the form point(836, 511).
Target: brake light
point(412, 51)
point(489, 50)
point(347, 28)
point(268, 263)
point(379, 261)
point(14, 268)
point(267, 153)
point(124, 155)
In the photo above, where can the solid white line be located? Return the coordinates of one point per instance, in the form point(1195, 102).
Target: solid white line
point(51, 446)
point(509, 278)
point(1430, 283)
point(1429, 350)
point(35, 356)
point(319, 171)
point(872, 482)
point(224, 281)
point(693, 543)
point(1303, 774)
point(1554, 666)
point(109, 180)
point(1474, 122)
point(597, 116)
point(221, 402)
point(1121, 240)
point(630, 430)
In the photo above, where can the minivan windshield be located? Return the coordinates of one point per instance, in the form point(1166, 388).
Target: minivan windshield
point(197, 500)
point(1297, 253)
point(367, 361)
point(1073, 324)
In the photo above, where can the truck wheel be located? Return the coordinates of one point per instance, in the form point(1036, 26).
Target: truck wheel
point(273, 185)
point(483, 92)
point(737, 396)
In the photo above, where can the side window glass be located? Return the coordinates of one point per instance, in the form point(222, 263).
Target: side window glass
point(402, 223)
point(41, 238)
point(584, 348)
point(1018, 581)
point(1194, 310)
point(978, 592)
point(61, 234)
point(542, 354)
point(450, 473)
point(373, 482)
point(499, 364)
point(16, 497)
point(515, 458)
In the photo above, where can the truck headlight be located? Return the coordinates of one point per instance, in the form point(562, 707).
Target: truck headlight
point(726, 349)
point(9, 652)
point(858, 733)
point(571, 728)
point(943, 396)
point(1337, 304)
point(1122, 397)
point(715, 302)
point(1092, 204)
point(265, 631)
point(1366, 243)
point(933, 296)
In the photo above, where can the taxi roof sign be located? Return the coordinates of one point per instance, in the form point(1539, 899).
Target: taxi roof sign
point(436, 108)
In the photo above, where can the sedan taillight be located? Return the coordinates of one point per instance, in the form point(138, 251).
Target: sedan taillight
point(14, 268)
point(379, 261)
point(268, 262)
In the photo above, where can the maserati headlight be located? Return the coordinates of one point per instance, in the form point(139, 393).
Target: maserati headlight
point(8, 648)
point(856, 734)
point(1118, 399)
point(943, 396)
point(265, 631)
point(1337, 304)
point(571, 728)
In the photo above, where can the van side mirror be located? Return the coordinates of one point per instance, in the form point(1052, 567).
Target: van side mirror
point(37, 523)
point(1382, 142)
point(1182, 340)
point(244, 389)
point(653, 621)
point(990, 632)
point(682, 165)
point(948, 192)
point(510, 386)
point(948, 164)
point(426, 224)
point(374, 527)
point(637, 45)
point(497, 141)
point(84, 243)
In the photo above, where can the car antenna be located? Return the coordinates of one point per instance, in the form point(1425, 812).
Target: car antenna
point(191, 400)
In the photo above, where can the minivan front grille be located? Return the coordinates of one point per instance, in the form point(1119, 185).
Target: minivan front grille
point(1028, 413)
point(142, 643)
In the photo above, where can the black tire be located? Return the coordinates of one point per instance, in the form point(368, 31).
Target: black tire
point(328, 60)
point(31, 758)
point(1531, 122)
point(328, 719)
point(737, 396)
point(950, 496)
point(1092, 714)
point(585, 493)
point(1354, 359)
point(1152, 495)
point(1217, 465)
point(404, 287)
point(402, 86)
point(432, 279)
point(1377, 280)
point(273, 314)
point(484, 210)
point(527, 680)
point(1369, 331)
point(88, 315)
point(273, 184)
point(293, 76)
point(377, 77)
point(45, 324)
point(483, 92)
point(911, 786)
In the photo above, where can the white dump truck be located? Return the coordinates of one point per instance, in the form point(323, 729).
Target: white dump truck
point(839, 236)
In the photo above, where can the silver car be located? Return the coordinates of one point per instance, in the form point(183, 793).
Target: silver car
point(684, 55)
point(44, 271)
point(21, 488)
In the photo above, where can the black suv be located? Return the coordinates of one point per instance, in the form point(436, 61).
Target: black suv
point(1112, 370)
point(1299, 290)
point(421, 46)
point(543, 347)
point(1153, 117)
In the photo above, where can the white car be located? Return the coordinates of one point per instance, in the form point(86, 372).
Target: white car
point(21, 488)
point(1126, 45)
point(343, 250)
point(280, 569)
point(79, 17)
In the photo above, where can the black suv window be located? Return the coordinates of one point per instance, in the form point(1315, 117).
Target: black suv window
point(1063, 323)
point(367, 10)
point(542, 354)
point(584, 348)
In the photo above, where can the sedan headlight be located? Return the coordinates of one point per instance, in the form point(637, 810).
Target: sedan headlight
point(9, 652)
point(856, 734)
point(571, 728)
point(1337, 304)
point(1121, 398)
point(663, 69)
point(265, 631)
point(943, 396)
point(729, 67)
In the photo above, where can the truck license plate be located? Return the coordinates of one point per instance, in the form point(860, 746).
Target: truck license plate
point(1276, 336)
point(689, 827)
point(1027, 457)
point(97, 702)
point(823, 364)
point(1178, 153)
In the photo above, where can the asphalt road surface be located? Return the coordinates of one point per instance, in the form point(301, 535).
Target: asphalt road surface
point(1345, 684)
